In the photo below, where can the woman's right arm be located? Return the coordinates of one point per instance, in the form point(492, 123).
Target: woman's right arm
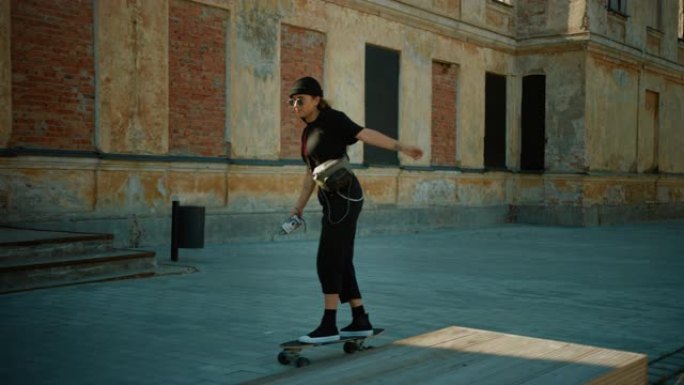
point(308, 186)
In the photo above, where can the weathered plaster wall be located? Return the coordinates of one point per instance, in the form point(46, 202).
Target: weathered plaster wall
point(544, 18)
point(132, 68)
point(448, 8)
point(36, 190)
point(671, 130)
point(347, 34)
point(621, 129)
point(633, 29)
point(255, 128)
point(566, 129)
point(594, 116)
point(5, 74)
point(612, 86)
point(347, 31)
point(565, 71)
point(73, 187)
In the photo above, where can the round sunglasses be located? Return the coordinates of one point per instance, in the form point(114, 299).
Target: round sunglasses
point(294, 102)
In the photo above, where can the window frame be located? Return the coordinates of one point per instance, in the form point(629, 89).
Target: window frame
point(656, 20)
point(508, 3)
point(618, 7)
point(680, 29)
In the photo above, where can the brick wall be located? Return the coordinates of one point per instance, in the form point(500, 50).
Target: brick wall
point(302, 53)
point(444, 78)
point(52, 74)
point(197, 79)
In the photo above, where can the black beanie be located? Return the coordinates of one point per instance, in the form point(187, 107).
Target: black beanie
point(307, 86)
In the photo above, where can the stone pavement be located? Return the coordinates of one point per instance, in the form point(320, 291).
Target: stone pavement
point(615, 287)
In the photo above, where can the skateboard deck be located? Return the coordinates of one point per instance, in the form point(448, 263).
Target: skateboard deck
point(291, 353)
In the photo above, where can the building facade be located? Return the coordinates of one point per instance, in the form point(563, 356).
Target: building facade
point(561, 112)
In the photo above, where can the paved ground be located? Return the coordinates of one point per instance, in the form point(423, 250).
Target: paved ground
point(616, 287)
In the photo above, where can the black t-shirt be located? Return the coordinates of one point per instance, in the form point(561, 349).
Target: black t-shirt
point(328, 136)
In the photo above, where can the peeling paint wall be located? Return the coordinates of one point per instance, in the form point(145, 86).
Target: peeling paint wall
point(133, 85)
point(631, 28)
point(612, 130)
point(622, 133)
point(671, 130)
point(550, 17)
point(256, 81)
point(605, 156)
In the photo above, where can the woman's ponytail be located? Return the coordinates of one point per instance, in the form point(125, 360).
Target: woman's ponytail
point(323, 104)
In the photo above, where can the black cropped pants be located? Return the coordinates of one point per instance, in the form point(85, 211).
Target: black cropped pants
point(335, 259)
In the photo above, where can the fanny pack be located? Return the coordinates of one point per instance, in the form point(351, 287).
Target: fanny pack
point(333, 174)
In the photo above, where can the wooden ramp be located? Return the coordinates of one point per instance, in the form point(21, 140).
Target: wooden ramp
point(458, 355)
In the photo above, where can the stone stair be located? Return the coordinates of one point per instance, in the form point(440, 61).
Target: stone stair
point(33, 259)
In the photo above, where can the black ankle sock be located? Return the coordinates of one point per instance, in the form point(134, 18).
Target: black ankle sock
point(329, 318)
point(358, 311)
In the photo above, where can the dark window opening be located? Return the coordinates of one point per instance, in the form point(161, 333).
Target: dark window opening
point(382, 101)
point(495, 122)
point(653, 113)
point(618, 6)
point(533, 123)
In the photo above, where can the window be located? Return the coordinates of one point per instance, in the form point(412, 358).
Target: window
point(382, 101)
point(656, 10)
point(444, 93)
point(651, 132)
point(495, 122)
point(619, 6)
point(533, 121)
point(681, 19)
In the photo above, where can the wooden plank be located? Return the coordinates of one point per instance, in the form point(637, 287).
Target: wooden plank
point(588, 368)
point(496, 358)
point(426, 362)
point(400, 362)
point(552, 359)
point(437, 337)
point(633, 370)
point(457, 355)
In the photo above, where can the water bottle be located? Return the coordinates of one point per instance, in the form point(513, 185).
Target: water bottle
point(291, 224)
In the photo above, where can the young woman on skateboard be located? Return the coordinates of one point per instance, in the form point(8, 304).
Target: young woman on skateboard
point(326, 136)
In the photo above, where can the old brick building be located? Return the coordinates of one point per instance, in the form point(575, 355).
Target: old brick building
point(538, 111)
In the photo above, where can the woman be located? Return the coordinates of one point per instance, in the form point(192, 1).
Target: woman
point(326, 136)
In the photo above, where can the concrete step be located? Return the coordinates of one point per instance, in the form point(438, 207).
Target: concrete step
point(33, 259)
point(20, 243)
point(48, 271)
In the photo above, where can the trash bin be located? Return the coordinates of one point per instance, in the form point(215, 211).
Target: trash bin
point(187, 228)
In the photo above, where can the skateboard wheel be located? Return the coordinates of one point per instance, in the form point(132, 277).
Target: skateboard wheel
point(301, 361)
point(283, 358)
point(350, 347)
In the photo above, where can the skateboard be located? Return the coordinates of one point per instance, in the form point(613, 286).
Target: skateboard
point(291, 353)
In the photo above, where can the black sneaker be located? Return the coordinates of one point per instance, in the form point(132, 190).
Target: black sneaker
point(360, 327)
point(321, 335)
